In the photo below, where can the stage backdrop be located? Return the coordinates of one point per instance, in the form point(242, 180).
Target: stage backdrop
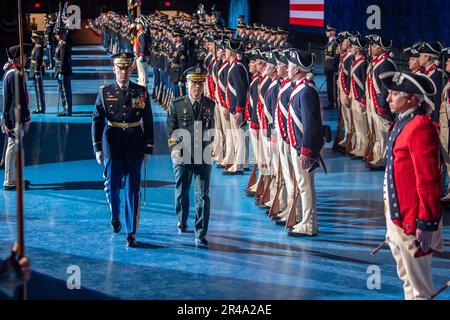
point(404, 21)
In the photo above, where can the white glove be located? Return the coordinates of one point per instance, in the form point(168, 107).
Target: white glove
point(26, 126)
point(175, 154)
point(147, 158)
point(99, 157)
point(60, 77)
point(176, 157)
point(141, 59)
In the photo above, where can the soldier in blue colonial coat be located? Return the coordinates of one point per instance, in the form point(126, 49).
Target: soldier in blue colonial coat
point(14, 87)
point(357, 97)
point(306, 139)
point(379, 115)
point(236, 98)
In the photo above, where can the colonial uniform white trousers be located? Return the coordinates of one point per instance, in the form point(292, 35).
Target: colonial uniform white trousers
point(307, 198)
point(142, 68)
point(414, 272)
point(360, 139)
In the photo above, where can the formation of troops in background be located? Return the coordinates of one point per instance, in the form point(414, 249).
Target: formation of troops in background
point(52, 52)
point(258, 104)
point(265, 97)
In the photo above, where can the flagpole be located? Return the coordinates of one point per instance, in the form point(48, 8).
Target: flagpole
point(19, 154)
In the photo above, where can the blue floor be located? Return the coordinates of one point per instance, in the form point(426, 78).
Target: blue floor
point(67, 223)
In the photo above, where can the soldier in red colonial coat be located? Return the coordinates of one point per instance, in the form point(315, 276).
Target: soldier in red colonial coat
point(412, 186)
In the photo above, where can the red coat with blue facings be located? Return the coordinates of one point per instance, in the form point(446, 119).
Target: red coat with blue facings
point(417, 177)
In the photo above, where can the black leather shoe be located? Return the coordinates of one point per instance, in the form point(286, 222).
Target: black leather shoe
point(37, 111)
point(247, 169)
point(131, 241)
point(236, 173)
point(338, 149)
point(357, 157)
point(280, 223)
point(250, 193)
point(292, 233)
point(26, 184)
point(375, 168)
point(64, 114)
point(182, 228)
point(276, 218)
point(220, 166)
point(116, 225)
point(201, 241)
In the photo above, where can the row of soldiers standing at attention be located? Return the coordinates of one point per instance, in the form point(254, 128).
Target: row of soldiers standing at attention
point(246, 77)
point(364, 114)
point(48, 54)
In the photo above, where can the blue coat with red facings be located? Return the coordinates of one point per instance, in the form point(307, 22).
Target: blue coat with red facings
point(305, 120)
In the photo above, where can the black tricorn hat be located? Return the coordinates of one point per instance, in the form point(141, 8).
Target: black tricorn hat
point(254, 54)
point(433, 49)
point(281, 57)
point(303, 59)
point(408, 82)
point(269, 57)
point(358, 41)
point(14, 51)
point(446, 53)
point(384, 43)
point(236, 46)
point(413, 51)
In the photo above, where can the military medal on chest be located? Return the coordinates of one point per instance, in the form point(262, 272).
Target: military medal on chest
point(185, 117)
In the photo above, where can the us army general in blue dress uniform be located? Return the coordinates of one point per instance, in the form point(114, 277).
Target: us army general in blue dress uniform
point(122, 134)
point(189, 119)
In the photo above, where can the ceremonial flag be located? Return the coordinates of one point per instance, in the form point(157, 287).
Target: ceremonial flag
point(307, 12)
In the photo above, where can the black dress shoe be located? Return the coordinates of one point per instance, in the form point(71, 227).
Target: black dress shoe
point(375, 168)
point(280, 222)
point(246, 169)
point(37, 111)
point(292, 233)
point(338, 149)
point(182, 228)
point(357, 157)
point(116, 225)
point(276, 218)
point(201, 241)
point(64, 114)
point(131, 241)
point(220, 166)
point(235, 173)
point(26, 184)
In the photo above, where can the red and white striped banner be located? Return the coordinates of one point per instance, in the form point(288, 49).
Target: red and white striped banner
point(307, 12)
